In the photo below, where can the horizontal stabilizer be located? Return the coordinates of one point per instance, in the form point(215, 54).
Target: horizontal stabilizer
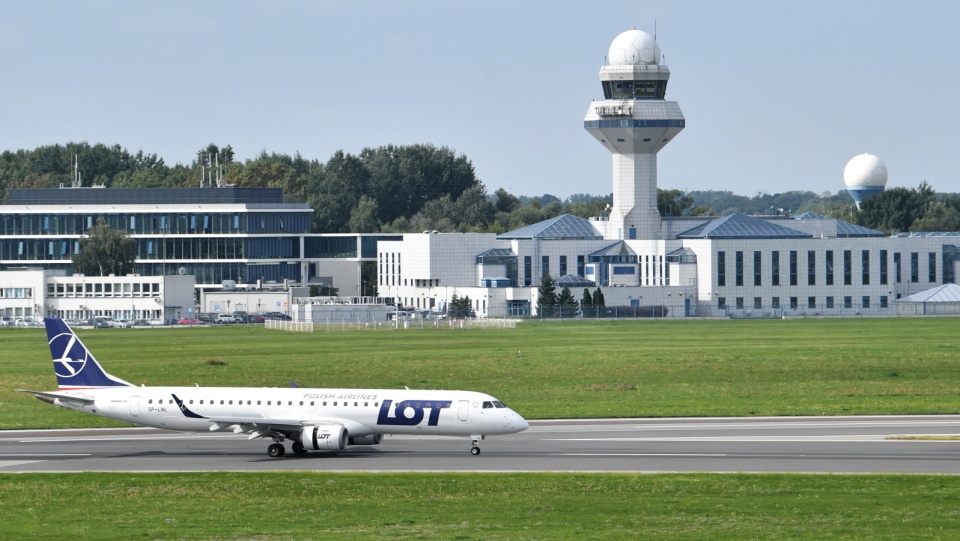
point(50, 397)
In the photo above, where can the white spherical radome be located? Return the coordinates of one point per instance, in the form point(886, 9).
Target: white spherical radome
point(634, 47)
point(865, 170)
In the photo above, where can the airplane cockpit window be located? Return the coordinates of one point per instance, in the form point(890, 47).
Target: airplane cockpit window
point(498, 404)
point(487, 405)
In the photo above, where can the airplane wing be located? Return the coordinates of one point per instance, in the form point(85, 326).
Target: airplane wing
point(50, 397)
point(258, 426)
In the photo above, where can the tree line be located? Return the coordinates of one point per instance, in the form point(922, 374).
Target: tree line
point(425, 188)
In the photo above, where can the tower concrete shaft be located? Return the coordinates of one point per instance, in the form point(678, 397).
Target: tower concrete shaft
point(634, 122)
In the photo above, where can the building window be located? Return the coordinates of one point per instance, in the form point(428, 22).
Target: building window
point(829, 267)
point(775, 302)
point(847, 301)
point(793, 303)
point(757, 302)
point(793, 267)
point(721, 302)
point(883, 267)
point(865, 267)
point(914, 267)
point(829, 302)
point(884, 303)
point(775, 268)
point(544, 266)
point(811, 302)
point(721, 268)
point(932, 262)
point(528, 270)
point(580, 265)
point(847, 268)
point(563, 265)
point(757, 269)
point(866, 301)
point(739, 303)
point(739, 268)
point(811, 268)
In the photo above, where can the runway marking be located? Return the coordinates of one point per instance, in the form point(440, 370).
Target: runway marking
point(136, 438)
point(647, 454)
point(32, 455)
point(8, 463)
point(877, 438)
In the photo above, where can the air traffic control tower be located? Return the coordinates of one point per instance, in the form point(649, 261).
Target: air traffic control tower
point(634, 122)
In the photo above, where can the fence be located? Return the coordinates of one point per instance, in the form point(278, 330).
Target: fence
point(411, 324)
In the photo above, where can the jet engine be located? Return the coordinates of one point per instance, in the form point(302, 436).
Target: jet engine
point(323, 438)
point(372, 439)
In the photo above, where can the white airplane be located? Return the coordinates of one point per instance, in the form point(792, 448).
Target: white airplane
point(313, 419)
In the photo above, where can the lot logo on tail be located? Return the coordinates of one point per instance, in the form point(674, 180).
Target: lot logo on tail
point(72, 355)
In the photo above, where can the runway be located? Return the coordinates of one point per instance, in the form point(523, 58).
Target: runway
point(773, 444)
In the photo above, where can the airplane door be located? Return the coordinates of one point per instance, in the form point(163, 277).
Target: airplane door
point(135, 406)
point(464, 410)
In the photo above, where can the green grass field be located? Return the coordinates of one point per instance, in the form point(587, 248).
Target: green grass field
point(312, 505)
point(543, 370)
point(549, 370)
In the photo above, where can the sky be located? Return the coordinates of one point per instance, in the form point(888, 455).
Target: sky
point(777, 96)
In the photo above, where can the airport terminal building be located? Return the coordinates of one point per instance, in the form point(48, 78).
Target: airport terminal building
point(733, 266)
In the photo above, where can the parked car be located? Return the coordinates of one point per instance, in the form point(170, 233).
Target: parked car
point(255, 318)
point(24, 322)
point(7, 321)
point(188, 321)
point(279, 316)
point(225, 318)
point(141, 323)
point(120, 323)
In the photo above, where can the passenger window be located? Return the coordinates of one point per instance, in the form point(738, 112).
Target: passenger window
point(231, 402)
point(375, 404)
point(201, 401)
point(258, 402)
point(354, 403)
point(334, 403)
point(268, 402)
point(301, 402)
point(221, 402)
point(191, 401)
point(324, 402)
point(290, 403)
point(150, 401)
point(365, 404)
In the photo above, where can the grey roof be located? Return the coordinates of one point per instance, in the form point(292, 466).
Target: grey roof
point(566, 226)
point(832, 227)
point(572, 280)
point(617, 248)
point(741, 226)
point(497, 252)
point(931, 234)
point(945, 293)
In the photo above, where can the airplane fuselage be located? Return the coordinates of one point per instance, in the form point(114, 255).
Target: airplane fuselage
point(361, 411)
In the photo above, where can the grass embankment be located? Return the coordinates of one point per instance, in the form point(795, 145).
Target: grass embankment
point(465, 506)
point(549, 370)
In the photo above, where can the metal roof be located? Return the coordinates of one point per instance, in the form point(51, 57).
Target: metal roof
point(617, 248)
point(741, 226)
point(945, 293)
point(833, 227)
point(572, 280)
point(564, 227)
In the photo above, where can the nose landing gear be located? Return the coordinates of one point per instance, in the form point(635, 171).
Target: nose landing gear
point(475, 449)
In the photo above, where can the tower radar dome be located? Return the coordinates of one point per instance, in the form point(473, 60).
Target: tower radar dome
point(634, 47)
point(864, 175)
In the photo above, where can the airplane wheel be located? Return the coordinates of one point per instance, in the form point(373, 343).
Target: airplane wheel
point(298, 448)
point(276, 450)
point(474, 451)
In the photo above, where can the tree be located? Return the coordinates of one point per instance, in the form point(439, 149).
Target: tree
point(547, 296)
point(363, 218)
point(105, 251)
point(506, 201)
point(460, 308)
point(568, 304)
point(598, 300)
point(896, 209)
point(673, 202)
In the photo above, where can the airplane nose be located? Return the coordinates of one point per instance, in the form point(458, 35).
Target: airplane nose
point(521, 423)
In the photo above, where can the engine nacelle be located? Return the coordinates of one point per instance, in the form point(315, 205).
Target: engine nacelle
point(323, 438)
point(372, 439)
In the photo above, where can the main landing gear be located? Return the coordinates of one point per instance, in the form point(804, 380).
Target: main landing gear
point(475, 449)
point(276, 450)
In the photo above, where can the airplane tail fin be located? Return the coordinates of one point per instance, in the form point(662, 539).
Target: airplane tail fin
point(75, 366)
